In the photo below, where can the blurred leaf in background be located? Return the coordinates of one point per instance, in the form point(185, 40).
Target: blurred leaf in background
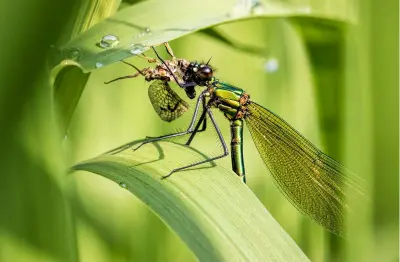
point(335, 81)
point(312, 72)
point(35, 221)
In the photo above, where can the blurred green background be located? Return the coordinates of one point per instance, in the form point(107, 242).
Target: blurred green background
point(336, 83)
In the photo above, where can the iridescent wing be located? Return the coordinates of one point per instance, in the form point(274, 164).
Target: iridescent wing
point(167, 104)
point(311, 180)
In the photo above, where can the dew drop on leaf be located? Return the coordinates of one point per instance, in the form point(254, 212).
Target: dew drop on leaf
point(109, 41)
point(257, 7)
point(246, 7)
point(137, 49)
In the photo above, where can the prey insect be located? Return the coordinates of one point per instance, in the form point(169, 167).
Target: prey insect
point(165, 101)
point(311, 180)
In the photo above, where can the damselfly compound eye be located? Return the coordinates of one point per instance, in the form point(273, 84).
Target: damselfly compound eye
point(205, 72)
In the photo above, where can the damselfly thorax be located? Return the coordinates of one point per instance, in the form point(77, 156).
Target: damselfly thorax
point(231, 100)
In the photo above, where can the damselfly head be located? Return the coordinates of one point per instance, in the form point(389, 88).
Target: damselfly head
point(199, 73)
point(205, 72)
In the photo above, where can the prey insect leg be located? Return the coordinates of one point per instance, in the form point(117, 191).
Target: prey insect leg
point(139, 72)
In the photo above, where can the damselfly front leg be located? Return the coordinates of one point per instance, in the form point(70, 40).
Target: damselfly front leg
point(200, 99)
point(202, 120)
point(221, 138)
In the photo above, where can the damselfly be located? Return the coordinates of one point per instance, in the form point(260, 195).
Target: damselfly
point(310, 179)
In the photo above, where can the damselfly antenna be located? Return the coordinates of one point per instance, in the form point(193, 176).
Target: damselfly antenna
point(208, 60)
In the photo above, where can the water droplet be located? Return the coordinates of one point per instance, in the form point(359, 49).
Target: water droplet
point(257, 7)
point(137, 49)
point(271, 65)
point(246, 7)
point(66, 137)
point(109, 41)
point(98, 65)
point(122, 184)
point(146, 31)
point(72, 53)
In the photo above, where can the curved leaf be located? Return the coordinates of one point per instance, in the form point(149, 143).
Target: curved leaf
point(68, 82)
point(212, 211)
point(153, 22)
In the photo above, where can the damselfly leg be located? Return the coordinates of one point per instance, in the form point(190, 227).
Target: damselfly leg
point(200, 126)
point(221, 138)
point(200, 99)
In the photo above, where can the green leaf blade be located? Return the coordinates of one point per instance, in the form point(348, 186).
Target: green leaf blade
point(137, 30)
point(216, 215)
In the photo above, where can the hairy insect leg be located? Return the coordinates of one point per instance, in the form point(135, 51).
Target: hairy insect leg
point(149, 59)
point(203, 119)
point(221, 138)
point(188, 131)
point(168, 49)
point(136, 68)
point(204, 127)
point(139, 72)
point(169, 69)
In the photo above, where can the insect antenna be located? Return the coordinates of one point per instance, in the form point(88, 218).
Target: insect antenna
point(170, 71)
point(128, 76)
point(137, 69)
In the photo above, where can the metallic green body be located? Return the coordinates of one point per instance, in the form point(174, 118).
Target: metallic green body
point(227, 99)
point(237, 148)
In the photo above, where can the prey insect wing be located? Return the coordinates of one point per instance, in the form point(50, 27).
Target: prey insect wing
point(167, 104)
